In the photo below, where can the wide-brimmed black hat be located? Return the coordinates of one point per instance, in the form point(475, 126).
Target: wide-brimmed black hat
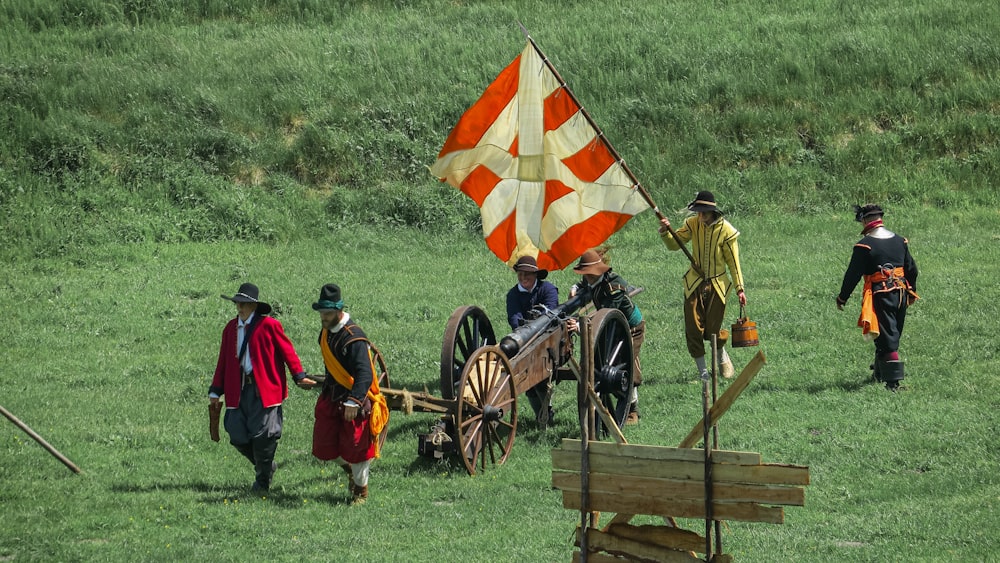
point(329, 298)
point(529, 264)
point(704, 201)
point(865, 213)
point(248, 293)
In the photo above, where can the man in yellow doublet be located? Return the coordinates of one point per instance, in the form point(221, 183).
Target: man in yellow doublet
point(707, 282)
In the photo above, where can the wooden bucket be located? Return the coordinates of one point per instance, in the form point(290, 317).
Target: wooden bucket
point(744, 331)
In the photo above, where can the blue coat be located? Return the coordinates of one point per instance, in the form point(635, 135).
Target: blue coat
point(520, 303)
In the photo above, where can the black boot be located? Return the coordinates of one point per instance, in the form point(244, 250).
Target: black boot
point(891, 373)
point(264, 449)
point(876, 371)
point(536, 403)
point(247, 451)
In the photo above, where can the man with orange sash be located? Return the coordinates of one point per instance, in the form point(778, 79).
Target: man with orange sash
point(882, 258)
point(350, 411)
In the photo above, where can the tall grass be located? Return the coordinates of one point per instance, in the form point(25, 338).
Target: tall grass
point(171, 106)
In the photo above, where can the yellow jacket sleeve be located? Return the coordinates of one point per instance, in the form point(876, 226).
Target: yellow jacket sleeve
point(714, 249)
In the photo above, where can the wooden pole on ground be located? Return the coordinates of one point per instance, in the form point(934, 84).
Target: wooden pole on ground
point(17, 422)
point(706, 432)
point(716, 364)
point(586, 424)
point(728, 397)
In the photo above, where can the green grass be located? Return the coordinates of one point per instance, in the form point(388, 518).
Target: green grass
point(155, 154)
point(190, 121)
point(109, 359)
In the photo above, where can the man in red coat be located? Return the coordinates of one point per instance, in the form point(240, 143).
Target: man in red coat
point(251, 375)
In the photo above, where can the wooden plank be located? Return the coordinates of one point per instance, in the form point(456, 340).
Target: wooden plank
point(597, 558)
point(609, 423)
point(634, 549)
point(638, 451)
point(409, 402)
point(726, 400)
point(674, 538)
point(599, 407)
point(772, 473)
point(763, 474)
point(569, 482)
point(679, 508)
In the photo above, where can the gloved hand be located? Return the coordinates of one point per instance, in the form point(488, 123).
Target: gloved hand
point(214, 412)
point(351, 409)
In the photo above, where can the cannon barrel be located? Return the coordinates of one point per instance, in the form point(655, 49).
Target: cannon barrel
point(511, 344)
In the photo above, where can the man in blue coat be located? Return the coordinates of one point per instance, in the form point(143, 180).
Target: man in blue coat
point(524, 302)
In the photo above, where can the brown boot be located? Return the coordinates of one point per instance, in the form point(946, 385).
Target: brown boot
point(633, 415)
point(358, 494)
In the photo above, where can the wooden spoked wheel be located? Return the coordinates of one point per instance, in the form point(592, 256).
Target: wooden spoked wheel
point(468, 330)
point(611, 344)
point(382, 374)
point(486, 410)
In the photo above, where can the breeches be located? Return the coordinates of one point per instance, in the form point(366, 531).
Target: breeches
point(335, 437)
point(638, 337)
point(254, 432)
point(890, 310)
point(703, 314)
point(251, 421)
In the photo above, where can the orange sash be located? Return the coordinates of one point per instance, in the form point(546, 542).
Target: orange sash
point(868, 321)
point(380, 410)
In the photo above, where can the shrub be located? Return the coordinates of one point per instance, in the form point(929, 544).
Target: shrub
point(434, 208)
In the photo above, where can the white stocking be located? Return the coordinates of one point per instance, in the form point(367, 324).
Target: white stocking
point(360, 470)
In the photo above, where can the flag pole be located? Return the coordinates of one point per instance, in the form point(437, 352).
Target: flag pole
point(607, 144)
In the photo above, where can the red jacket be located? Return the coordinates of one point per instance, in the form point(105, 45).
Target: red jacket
point(270, 351)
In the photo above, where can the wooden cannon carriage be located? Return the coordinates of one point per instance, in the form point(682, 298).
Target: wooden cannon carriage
point(481, 378)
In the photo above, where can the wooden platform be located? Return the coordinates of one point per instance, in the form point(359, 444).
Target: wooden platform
point(671, 482)
point(629, 479)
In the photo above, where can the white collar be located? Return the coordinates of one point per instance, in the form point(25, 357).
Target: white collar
point(521, 287)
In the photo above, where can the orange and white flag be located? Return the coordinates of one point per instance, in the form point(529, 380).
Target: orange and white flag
point(529, 157)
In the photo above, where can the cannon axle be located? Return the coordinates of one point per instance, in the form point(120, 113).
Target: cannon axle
point(492, 413)
point(613, 379)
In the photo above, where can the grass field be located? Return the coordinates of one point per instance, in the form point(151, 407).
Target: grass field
point(109, 359)
point(155, 154)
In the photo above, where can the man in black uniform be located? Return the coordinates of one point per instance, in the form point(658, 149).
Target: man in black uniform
point(610, 290)
point(883, 259)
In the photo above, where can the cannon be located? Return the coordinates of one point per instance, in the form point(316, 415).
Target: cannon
point(481, 377)
point(612, 376)
point(544, 321)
